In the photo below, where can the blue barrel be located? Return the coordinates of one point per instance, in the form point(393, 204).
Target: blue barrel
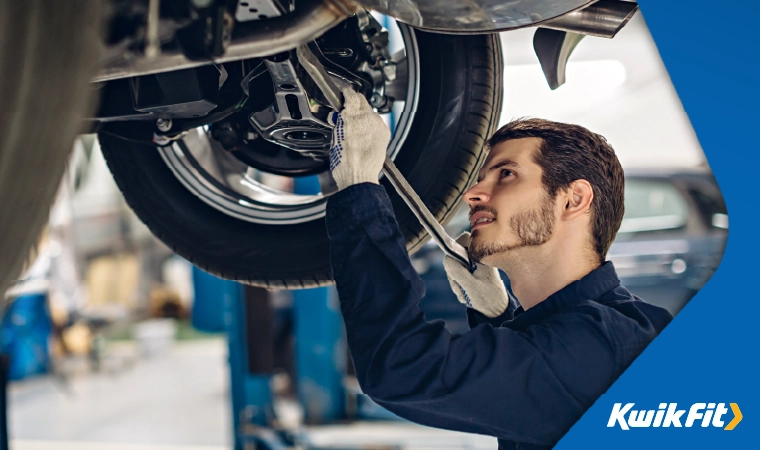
point(24, 336)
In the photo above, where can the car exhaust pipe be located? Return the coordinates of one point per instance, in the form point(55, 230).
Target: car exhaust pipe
point(602, 19)
point(250, 40)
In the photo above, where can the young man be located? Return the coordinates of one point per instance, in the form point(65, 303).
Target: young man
point(547, 206)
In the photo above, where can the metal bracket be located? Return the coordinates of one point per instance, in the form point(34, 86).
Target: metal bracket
point(291, 121)
point(553, 48)
point(257, 10)
point(556, 39)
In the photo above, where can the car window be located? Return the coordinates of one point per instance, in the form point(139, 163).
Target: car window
point(653, 206)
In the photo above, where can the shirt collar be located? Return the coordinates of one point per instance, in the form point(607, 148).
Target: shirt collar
point(592, 286)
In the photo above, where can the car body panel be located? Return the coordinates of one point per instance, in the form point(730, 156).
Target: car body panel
point(475, 16)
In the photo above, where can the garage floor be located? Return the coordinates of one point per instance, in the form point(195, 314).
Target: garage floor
point(177, 402)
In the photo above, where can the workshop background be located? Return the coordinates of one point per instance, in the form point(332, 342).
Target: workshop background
point(116, 343)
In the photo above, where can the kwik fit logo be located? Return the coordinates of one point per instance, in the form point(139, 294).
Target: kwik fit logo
point(668, 415)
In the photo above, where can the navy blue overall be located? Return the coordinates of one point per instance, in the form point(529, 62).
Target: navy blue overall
point(525, 377)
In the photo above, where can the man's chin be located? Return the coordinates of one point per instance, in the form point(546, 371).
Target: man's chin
point(494, 254)
point(488, 256)
point(490, 260)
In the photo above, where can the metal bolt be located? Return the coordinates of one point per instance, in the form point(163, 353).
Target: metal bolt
point(377, 100)
point(164, 124)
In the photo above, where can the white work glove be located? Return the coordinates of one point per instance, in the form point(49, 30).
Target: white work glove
point(481, 290)
point(360, 140)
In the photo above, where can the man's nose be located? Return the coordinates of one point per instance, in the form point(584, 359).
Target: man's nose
point(476, 195)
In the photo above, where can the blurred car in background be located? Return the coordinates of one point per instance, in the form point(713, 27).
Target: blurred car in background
point(673, 235)
point(670, 242)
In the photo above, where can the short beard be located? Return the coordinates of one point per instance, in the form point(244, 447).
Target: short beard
point(532, 228)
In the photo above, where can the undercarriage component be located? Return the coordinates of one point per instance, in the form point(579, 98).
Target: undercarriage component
point(293, 120)
point(553, 48)
point(244, 224)
point(280, 102)
point(235, 136)
point(602, 19)
point(183, 93)
point(190, 94)
point(206, 37)
point(260, 9)
point(307, 86)
point(276, 159)
point(311, 19)
point(474, 16)
point(379, 66)
point(554, 41)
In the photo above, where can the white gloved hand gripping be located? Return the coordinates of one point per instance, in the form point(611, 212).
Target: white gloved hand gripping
point(482, 289)
point(359, 144)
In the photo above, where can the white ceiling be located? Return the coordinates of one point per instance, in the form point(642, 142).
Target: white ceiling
point(618, 88)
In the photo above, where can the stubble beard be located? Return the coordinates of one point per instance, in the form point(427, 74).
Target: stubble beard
point(532, 227)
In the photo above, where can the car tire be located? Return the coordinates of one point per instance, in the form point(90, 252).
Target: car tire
point(460, 102)
point(48, 53)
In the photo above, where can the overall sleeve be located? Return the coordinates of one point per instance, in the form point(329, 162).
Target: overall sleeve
point(523, 386)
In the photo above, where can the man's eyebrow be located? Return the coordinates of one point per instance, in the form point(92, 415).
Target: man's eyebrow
point(498, 165)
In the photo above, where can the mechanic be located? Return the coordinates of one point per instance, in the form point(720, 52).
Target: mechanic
point(546, 207)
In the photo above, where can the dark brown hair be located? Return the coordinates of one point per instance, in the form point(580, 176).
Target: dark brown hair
point(568, 153)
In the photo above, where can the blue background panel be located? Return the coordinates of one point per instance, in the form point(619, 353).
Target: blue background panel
point(708, 353)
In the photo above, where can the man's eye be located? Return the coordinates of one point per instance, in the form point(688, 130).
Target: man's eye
point(506, 173)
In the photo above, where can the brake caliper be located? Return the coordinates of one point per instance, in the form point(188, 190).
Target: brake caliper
point(378, 64)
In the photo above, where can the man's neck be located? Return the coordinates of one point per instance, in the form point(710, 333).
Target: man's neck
point(536, 276)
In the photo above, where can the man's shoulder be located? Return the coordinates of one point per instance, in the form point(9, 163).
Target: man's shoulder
point(620, 305)
point(628, 306)
point(625, 320)
point(599, 339)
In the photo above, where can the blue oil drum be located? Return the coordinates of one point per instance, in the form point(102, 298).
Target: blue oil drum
point(25, 334)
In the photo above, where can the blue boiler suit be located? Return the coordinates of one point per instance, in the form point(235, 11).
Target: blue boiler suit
point(525, 377)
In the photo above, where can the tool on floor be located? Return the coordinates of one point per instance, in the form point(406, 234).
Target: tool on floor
point(332, 93)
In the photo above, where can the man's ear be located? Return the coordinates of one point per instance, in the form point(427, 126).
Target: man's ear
point(578, 197)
